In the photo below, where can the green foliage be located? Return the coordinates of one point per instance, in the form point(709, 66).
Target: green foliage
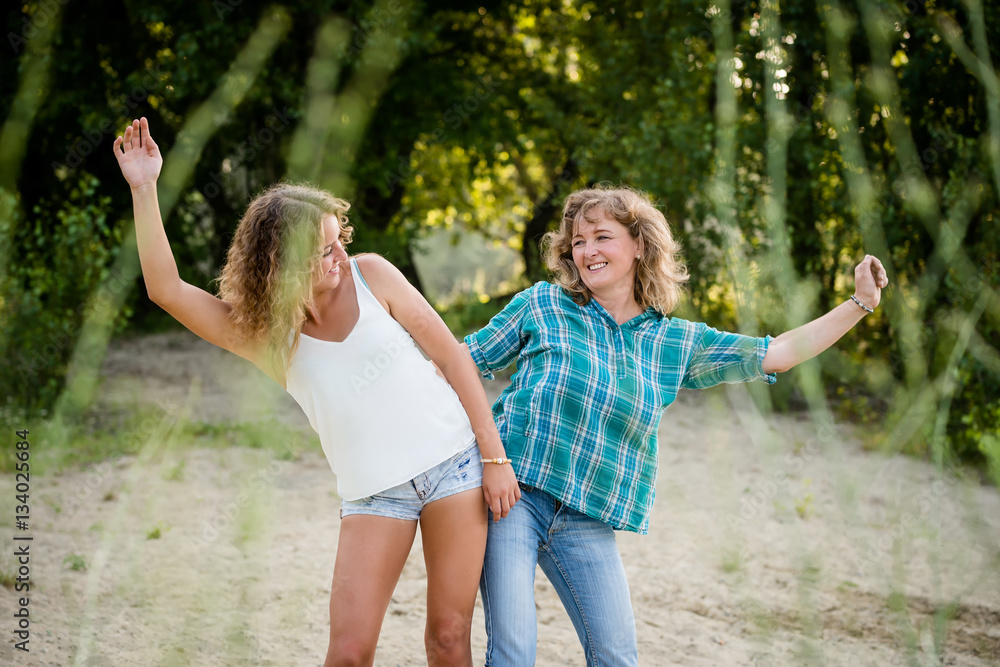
point(63, 250)
point(286, 443)
point(75, 562)
point(471, 312)
point(494, 112)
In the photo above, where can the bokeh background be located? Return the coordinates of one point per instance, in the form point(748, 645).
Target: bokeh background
point(783, 141)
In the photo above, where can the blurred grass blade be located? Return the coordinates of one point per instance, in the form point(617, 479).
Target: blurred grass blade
point(353, 107)
point(16, 131)
point(178, 165)
point(310, 138)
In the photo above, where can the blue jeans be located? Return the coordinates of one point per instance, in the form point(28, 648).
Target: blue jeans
point(580, 557)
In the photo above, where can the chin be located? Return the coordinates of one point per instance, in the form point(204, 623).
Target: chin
point(329, 282)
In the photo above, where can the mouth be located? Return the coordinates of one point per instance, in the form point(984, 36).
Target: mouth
point(335, 269)
point(596, 267)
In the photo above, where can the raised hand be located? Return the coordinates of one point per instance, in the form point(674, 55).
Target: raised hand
point(869, 279)
point(138, 155)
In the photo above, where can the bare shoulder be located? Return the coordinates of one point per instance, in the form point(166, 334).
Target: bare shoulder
point(382, 277)
point(385, 281)
point(376, 265)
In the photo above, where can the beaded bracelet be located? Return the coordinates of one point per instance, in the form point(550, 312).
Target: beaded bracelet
point(855, 300)
point(499, 461)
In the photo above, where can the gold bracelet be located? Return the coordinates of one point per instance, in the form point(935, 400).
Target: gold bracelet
point(499, 461)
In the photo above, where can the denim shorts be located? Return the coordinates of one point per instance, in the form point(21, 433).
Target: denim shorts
point(461, 472)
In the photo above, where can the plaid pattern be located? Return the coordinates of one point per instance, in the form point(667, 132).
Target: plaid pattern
point(580, 416)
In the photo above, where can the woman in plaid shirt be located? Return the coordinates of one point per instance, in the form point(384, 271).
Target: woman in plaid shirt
point(598, 360)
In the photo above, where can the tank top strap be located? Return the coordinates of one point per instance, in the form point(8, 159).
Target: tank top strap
point(365, 295)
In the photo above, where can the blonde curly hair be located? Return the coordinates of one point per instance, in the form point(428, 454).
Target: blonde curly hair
point(273, 262)
point(660, 274)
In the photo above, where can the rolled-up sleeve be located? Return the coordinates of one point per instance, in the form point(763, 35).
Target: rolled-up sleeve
point(722, 356)
point(496, 346)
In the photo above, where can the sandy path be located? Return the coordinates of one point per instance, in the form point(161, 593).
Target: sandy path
point(770, 544)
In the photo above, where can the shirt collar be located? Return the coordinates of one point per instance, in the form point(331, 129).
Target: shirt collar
point(599, 311)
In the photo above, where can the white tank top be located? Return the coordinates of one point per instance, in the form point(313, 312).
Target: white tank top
point(382, 412)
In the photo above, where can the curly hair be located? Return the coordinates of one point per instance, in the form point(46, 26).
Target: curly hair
point(273, 261)
point(660, 275)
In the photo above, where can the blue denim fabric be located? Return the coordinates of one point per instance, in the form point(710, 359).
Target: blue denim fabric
point(461, 472)
point(580, 557)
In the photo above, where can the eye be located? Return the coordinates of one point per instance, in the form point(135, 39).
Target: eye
point(603, 236)
point(578, 242)
point(328, 252)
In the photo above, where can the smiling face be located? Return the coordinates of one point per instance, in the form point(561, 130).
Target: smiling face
point(333, 254)
point(605, 254)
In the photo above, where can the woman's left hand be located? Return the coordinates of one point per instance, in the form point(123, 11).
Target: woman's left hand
point(869, 279)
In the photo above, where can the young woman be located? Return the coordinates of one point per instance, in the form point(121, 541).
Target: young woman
point(341, 335)
point(598, 360)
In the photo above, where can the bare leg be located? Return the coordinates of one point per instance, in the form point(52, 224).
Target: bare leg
point(454, 536)
point(371, 553)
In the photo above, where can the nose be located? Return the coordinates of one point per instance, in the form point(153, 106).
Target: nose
point(339, 254)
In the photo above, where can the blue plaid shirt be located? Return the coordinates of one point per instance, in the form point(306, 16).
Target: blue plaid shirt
point(580, 416)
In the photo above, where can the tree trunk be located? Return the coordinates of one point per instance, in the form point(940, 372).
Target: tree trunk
point(546, 209)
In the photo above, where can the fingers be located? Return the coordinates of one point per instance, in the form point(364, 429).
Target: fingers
point(147, 140)
point(878, 272)
point(131, 136)
point(501, 504)
point(875, 267)
point(135, 136)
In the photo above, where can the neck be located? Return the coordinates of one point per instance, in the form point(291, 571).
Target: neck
point(621, 305)
point(329, 300)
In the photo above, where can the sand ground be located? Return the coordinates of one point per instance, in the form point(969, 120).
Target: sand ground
point(772, 542)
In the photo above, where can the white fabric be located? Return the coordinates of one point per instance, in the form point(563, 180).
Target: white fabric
point(382, 412)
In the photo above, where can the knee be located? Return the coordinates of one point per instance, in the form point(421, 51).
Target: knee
point(349, 653)
point(447, 641)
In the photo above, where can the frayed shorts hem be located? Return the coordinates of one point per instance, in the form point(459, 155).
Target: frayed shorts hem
point(462, 472)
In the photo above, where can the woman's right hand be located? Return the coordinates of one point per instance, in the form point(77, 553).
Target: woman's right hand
point(138, 156)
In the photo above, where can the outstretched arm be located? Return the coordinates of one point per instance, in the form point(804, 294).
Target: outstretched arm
point(204, 314)
point(805, 342)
